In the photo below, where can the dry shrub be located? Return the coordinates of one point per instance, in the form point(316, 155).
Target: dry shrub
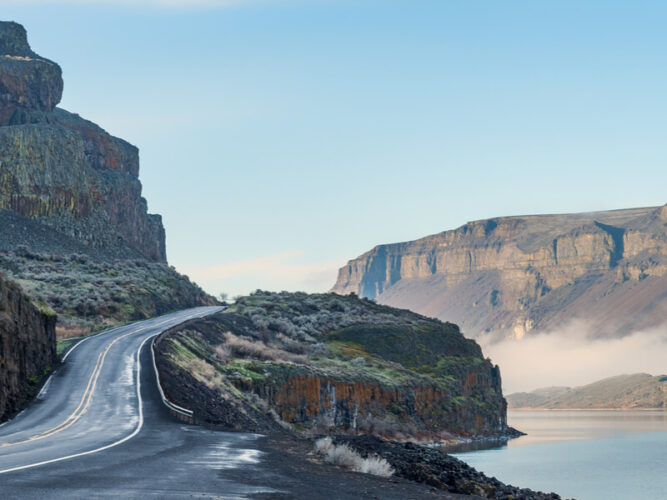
point(344, 456)
point(222, 353)
point(70, 331)
point(244, 348)
point(204, 372)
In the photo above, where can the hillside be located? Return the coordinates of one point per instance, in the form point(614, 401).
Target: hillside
point(326, 363)
point(510, 276)
point(639, 390)
point(75, 231)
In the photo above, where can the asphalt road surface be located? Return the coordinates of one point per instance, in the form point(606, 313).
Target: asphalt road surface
point(99, 429)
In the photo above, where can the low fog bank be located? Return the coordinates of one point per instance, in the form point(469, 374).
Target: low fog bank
point(570, 357)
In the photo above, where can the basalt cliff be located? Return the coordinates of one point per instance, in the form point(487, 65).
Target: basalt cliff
point(325, 363)
point(62, 170)
point(511, 276)
point(27, 347)
point(75, 232)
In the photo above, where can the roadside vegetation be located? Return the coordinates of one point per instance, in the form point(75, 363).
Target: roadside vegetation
point(90, 295)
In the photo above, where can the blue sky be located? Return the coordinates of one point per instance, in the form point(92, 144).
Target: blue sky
point(281, 138)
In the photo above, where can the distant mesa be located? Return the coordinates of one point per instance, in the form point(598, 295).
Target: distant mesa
point(634, 391)
point(508, 277)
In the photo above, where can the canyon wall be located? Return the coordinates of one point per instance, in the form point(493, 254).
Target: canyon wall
point(509, 276)
point(27, 348)
point(62, 170)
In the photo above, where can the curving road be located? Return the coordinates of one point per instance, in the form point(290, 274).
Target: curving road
point(101, 411)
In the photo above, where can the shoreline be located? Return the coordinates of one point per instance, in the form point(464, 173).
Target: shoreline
point(585, 409)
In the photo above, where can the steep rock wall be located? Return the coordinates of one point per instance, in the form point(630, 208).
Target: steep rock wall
point(61, 169)
point(424, 411)
point(361, 368)
point(512, 275)
point(27, 348)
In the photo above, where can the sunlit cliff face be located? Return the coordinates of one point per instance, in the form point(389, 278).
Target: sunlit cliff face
point(518, 276)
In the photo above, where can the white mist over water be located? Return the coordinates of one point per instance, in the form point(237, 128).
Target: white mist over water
point(571, 357)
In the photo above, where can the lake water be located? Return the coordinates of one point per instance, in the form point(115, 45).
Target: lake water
point(588, 455)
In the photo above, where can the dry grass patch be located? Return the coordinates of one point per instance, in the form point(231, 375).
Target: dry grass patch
point(255, 349)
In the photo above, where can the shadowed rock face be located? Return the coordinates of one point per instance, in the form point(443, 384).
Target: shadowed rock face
point(27, 348)
point(61, 169)
point(512, 275)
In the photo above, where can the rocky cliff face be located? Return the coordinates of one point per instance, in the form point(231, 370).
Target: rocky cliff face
point(325, 363)
point(512, 275)
point(27, 348)
point(74, 229)
point(62, 170)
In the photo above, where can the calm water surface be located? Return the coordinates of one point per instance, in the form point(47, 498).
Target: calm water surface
point(588, 455)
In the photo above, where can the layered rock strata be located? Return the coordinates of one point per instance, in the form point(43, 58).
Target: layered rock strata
point(62, 170)
point(513, 275)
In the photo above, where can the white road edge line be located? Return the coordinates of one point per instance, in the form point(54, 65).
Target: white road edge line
point(173, 406)
point(116, 443)
point(200, 314)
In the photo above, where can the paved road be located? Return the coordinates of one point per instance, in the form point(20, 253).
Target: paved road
point(99, 428)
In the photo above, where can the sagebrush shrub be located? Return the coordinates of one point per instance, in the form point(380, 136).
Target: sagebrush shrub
point(344, 456)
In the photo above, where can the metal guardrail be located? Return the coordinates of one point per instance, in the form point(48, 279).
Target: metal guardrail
point(178, 411)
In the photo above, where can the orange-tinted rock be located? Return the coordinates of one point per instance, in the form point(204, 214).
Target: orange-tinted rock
point(421, 411)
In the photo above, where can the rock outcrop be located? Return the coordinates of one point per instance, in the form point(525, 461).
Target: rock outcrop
point(27, 348)
point(28, 83)
point(509, 276)
point(62, 170)
point(325, 363)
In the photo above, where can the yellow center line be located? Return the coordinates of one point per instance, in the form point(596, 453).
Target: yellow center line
point(87, 394)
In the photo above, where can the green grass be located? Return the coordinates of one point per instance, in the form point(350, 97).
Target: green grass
point(63, 345)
